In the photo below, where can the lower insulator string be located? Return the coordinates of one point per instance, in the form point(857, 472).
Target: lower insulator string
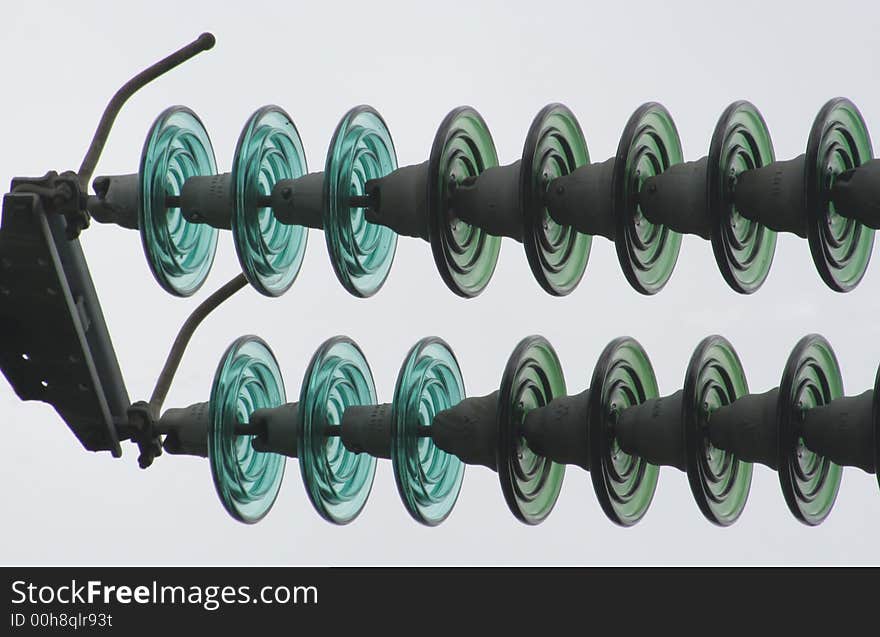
point(618, 429)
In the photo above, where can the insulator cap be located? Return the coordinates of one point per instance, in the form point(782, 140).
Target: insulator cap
point(399, 201)
point(491, 201)
point(856, 194)
point(115, 200)
point(470, 430)
point(583, 199)
point(653, 430)
point(300, 202)
point(748, 428)
point(843, 430)
point(773, 195)
point(367, 429)
point(208, 199)
point(186, 430)
point(678, 198)
point(276, 429)
point(558, 430)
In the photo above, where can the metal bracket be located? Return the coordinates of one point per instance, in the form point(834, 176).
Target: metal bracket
point(59, 194)
point(55, 345)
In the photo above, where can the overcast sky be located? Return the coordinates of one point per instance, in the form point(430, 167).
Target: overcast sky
point(414, 62)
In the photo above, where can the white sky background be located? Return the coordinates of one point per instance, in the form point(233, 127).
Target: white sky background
point(414, 62)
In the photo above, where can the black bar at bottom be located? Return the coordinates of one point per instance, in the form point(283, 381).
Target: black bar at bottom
point(233, 601)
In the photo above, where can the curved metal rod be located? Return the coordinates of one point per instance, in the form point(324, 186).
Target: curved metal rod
point(87, 168)
point(163, 383)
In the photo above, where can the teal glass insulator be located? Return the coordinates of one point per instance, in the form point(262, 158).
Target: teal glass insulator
point(338, 481)
point(428, 478)
point(810, 481)
point(270, 252)
point(557, 253)
point(841, 246)
point(743, 248)
point(247, 379)
point(624, 484)
point(464, 254)
point(180, 253)
point(532, 378)
point(361, 252)
point(719, 480)
point(649, 145)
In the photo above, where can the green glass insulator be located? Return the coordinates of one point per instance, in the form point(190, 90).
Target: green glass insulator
point(532, 378)
point(270, 252)
point(555, 146)
point(649, 145)
point(361, 252)
point(180, 253)
point(465, 255)
point(743, 248)
point(337, 480)
point(841, 247)
point(247, 379)
point(811, 378)
point(719, 481)
point(624, 484)
point(428, 478)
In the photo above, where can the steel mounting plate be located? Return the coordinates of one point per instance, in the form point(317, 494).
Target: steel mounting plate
point(55, 346)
